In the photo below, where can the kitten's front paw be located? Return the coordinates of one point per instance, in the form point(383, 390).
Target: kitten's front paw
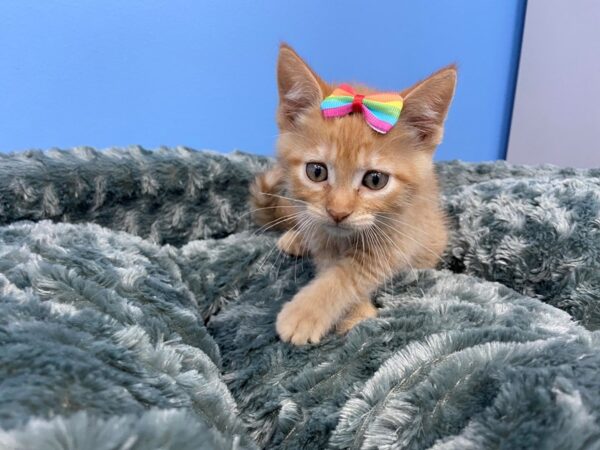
point(300, 321)
point(358, 313)
point(290, 243)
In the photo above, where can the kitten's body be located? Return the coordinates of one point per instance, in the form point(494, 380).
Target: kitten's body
point(357, 237)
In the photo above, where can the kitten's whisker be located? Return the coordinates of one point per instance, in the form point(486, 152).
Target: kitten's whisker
point(419, 243)
point(305, 239)
point(304, 224)
point(273, 247)
point(354, 245)
point(370, 251)
point(394, 217)
point(388, 271)
point(298, 233)
point(411, 238)
point(278, 221)
point(270, 207)
point(400, 251)
point(394, 244)
point(375, 251)
point(362, 238)
point(408, 197)
point(266, 257)
point(286, 198)
point(306, 236)
point(301, 255)
point(295, 229)
point(381, 260)
point(281, 218)
point(327, 242)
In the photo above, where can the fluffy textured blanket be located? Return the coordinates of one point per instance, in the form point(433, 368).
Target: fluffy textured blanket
point(137, 309)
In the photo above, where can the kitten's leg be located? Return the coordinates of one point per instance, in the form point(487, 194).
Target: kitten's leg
point(317, 307)
point(358, 313)
point(290, 242)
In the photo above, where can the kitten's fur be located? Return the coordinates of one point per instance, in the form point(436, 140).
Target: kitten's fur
point(398, 227)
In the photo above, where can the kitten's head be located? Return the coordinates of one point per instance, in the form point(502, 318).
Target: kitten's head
point(344, 172)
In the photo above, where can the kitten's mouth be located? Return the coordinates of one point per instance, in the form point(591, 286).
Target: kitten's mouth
point(338, 230)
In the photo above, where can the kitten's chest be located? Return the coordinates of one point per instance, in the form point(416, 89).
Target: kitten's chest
point(328, 249)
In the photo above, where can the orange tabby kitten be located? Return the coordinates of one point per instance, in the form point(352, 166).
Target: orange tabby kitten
point(364, 205)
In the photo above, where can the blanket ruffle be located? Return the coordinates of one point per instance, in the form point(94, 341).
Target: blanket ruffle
point(148, 320)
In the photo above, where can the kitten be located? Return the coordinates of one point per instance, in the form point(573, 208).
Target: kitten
point(364, 205)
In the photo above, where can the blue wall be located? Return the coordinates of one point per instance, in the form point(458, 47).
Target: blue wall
point(201, 73)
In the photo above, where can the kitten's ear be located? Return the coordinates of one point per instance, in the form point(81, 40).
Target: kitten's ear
point(300, 88)
point(426, 105)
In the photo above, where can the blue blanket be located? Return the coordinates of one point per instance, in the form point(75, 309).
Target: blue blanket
point(137, 308)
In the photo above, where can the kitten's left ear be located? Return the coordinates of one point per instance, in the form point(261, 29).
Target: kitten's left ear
point(426, 105)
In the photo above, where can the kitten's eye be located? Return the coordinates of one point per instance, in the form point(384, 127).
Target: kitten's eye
point(375, 180)
point(317, 172)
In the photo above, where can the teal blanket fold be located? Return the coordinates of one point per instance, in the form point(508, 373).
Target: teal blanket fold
point(137, 309)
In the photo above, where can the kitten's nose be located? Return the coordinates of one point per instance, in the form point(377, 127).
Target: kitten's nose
point(338, 216)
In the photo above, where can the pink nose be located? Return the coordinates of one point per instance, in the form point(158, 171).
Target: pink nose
point(338, 216)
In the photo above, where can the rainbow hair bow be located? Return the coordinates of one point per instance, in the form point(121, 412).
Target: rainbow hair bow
point(381, 111)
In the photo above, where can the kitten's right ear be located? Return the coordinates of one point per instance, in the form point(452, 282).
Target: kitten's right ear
point(426, 106)
point(299, 87)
